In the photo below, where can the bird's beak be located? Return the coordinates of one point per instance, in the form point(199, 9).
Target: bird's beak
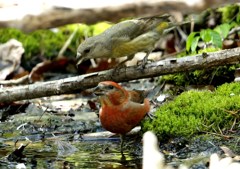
point(98, 90)
point(78, 56)
point(79, 59)
point(79, 62)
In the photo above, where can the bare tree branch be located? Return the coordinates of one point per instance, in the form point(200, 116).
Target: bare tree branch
point(168, 66)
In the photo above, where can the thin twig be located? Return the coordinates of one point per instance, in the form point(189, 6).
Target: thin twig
point(67, 43)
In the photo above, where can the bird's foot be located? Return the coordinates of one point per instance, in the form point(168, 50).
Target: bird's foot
point(143, 63)
point(122, 137)
point(123, 158)
point(151, 115)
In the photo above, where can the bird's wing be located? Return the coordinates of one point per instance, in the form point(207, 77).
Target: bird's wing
point(130, 29)
point(137, 96)
point(135, 112)
point(125, 30)
point(151, 22)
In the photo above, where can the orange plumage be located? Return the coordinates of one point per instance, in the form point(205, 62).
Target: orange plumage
point(121, 110)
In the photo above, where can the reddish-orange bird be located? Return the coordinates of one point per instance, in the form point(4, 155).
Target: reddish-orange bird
point(121, 109)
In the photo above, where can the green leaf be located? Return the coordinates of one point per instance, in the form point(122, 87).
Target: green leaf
point(223, 30)
point(194, 43)
point(190, 40)
point(216, 39)
point(205, 35)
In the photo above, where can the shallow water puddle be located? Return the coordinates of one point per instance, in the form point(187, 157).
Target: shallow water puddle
point(78, 154)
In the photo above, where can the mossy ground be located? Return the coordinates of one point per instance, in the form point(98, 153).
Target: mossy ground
point(195, 112)
point(49, 42)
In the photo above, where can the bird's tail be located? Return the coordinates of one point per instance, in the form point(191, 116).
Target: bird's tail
point(150, 93)
point(161, 24)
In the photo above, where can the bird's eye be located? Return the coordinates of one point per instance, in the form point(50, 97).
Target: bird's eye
point(110, 87)
point(86, 51)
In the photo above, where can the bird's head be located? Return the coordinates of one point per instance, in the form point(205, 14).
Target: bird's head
point(91, 48)
point(110, 93)
point(106, 87)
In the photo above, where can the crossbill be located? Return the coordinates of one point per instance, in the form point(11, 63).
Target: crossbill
point(121, 109)
point(125, 39)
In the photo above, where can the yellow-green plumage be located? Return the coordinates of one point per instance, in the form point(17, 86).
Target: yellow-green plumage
point(125, 38)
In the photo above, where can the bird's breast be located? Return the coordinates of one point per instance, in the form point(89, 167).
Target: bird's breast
point(142, 43)
point(122, 118)
point(124, 50)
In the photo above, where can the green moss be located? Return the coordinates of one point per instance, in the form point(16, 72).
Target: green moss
point(44, 42)
point(197, 111)
point(100, 27)
point(227, 90)
point(48, 43)
point(214, 76)
point(178, 78)
point(208, 49)
point(229, 12)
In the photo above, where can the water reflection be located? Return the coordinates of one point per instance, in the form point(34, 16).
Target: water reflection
point(86, 155)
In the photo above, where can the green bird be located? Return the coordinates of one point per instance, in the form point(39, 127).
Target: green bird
point(126, 38)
